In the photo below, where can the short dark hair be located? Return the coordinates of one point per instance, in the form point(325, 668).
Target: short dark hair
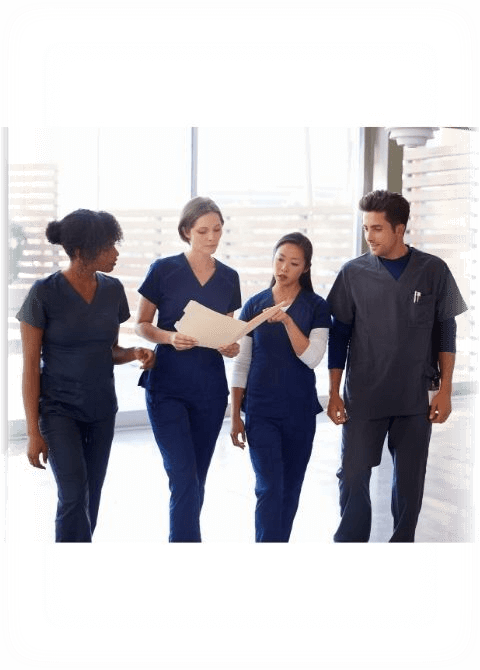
point(393, 205)
point(85, 231)
point(303, 243)
point(192, 211)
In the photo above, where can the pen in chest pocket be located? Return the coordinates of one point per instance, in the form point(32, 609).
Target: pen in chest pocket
point(416, 296)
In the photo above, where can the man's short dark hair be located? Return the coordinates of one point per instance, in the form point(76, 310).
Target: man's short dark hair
point(393, 205)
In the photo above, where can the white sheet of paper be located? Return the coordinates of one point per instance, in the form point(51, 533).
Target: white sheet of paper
point(214, 330)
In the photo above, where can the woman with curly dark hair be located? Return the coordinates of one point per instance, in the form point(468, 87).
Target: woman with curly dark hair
point(69, 327)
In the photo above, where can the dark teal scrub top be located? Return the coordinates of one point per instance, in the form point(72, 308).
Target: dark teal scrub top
point(278, 381)
point(389, 365)
point(76, 358)
point(170, 284)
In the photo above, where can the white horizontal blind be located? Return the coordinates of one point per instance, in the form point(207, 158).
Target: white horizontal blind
point(441, 183)
point(247, 243)
point(32, 204)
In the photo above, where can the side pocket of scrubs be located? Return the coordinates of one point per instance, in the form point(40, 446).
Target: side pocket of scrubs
point(421, 314)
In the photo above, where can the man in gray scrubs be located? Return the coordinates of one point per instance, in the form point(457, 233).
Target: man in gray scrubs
point(394, 327)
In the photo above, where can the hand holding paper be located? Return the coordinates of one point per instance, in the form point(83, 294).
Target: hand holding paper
point(230, 351)
point(215, 330)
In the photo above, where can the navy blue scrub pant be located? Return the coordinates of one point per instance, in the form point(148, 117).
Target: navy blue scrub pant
point(78, 454)
point(279, 450)
point(362, 444)
point(186, 432)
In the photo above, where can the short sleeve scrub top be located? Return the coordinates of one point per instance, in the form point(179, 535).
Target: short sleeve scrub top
point(170, 284)
point(389, 364)
point(76, 359)
point(279, 383)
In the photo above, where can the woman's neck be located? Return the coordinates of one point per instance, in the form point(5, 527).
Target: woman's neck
point(80, 273)
point(286, 293)
point(199, 260)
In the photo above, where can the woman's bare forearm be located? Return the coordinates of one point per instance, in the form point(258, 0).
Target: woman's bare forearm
point(31, 395)
point(32, 338)
point(236, 399)
point(297, 339)
point(153, 334)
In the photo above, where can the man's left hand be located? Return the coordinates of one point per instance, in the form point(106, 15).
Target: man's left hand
point(440, 408)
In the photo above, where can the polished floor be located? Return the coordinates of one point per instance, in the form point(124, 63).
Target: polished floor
point(135, 498)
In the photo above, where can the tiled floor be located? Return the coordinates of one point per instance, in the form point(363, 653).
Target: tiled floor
point(135, 498)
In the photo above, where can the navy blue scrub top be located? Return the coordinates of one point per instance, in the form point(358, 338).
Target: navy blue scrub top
point(76, 359)
point(278, 381)
point(389, 365)
point(170, 284)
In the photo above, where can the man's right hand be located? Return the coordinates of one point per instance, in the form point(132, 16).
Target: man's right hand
point(336, 409)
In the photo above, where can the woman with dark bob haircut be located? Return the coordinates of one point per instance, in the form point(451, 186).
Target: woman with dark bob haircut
point(186, 391)
point(274, 382)
point(69, 327)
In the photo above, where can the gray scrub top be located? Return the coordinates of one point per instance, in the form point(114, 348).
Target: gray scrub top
point(389, 366)
point(76, 359)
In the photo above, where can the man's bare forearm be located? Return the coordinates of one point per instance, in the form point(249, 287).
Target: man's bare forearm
point(446, 363)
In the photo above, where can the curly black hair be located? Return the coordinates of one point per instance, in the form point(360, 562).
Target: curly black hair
point(85, 232)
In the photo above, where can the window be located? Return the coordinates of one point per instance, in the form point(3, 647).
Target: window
point(267, 181)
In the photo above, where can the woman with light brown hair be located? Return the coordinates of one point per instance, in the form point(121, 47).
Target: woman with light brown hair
point(187, 391)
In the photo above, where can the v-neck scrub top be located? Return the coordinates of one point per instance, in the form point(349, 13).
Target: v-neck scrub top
point(389, 364)
point(278, 382)
point(170, 284)
point(76, 359)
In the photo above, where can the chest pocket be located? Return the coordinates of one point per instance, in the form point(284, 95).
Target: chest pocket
point(421, 314)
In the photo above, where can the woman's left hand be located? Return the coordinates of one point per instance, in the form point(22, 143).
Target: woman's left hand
point(230, 351)
point(146, 357)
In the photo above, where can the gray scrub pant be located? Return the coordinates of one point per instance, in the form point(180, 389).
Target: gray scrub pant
point(362, 444)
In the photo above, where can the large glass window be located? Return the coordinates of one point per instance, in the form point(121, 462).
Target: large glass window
point(276, 167)
point(268, 181)
point(271, 181)
point(252, 167)
point(141, 175)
